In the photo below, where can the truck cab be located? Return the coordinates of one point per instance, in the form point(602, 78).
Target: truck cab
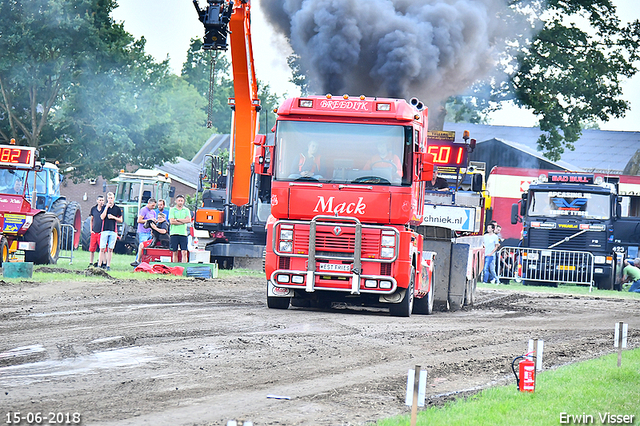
point(575, 222)
point(347, 196)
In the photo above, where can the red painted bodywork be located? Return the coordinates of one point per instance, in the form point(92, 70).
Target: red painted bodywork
point(380, 208)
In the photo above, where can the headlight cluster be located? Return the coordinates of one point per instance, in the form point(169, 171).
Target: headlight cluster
point(384, 285)
point(388, 244)
point(286, 239)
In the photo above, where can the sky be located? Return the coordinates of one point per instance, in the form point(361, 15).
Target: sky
point(169, 25)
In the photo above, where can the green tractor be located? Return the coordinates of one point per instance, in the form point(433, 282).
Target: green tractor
point(132, 193)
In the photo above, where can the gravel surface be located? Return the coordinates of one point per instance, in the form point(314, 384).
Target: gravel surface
point(202, 352)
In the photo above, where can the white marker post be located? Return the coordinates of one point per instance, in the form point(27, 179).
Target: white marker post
point(620, 339)
point(416, 391)
point(536, 347)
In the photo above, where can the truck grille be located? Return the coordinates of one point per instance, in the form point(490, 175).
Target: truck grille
point(543, 238)
point(330, 245)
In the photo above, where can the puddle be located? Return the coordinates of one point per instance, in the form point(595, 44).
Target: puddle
point(25, 374)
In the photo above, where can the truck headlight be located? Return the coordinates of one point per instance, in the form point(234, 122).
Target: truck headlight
point(388, 241)
point(387, 252)
point(286, 246)
point(599, 259)
point(286, 234)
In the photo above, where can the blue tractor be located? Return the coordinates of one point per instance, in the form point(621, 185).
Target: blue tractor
point(48, 198)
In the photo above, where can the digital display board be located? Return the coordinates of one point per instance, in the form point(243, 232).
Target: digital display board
point(446, 152)
point(17, 156)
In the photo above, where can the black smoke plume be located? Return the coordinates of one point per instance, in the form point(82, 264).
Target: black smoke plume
point(398, 48)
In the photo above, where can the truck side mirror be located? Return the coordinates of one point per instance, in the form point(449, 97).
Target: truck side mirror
point(523, 205)
point(426, 173)
point(261, 156)
point(618, 210)
point(476, 182)
point(172, 192)
point(514, 213)
point(200, 188)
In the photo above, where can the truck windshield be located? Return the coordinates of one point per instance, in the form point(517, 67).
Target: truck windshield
point(12, 181)
point(343, 153)
point(566, 204)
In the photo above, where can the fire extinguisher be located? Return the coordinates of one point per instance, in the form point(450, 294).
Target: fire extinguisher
point(526, 379)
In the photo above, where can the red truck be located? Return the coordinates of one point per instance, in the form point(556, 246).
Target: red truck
point(347, 200)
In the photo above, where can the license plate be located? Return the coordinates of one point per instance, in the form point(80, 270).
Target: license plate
point(341, 267)
point(566, 268)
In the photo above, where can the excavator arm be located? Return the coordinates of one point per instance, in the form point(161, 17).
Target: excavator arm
point(224, 19)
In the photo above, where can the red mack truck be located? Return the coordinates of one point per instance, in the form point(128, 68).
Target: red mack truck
point(347, 201)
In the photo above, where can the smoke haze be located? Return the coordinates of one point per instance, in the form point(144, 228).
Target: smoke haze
point(398, 48)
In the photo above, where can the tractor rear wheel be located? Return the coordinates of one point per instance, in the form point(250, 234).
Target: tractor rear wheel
point(58, 207)
point(73, 217)
point(4, 250)
point(45, 232)
point(86, 234)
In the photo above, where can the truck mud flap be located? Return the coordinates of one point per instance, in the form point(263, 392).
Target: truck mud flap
point(458, 275)
point(450, 273)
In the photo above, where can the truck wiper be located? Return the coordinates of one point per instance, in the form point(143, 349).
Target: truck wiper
point(565, 239)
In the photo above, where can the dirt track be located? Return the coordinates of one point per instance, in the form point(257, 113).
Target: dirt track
point(163, 352)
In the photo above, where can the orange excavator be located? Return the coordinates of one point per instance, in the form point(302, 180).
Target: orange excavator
point(231, 215)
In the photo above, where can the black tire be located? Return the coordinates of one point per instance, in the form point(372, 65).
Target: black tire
point(424, 305)
point(4, 250)
point(58, 207)
point(85, 235)
point(73, 217)
point(278, 302)
point(605, 283)
point(45, 232)
point(404, 308)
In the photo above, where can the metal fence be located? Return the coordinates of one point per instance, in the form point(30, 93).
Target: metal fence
point(66, 242)
point(545, 265)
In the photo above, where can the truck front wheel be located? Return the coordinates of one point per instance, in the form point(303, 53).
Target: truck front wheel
point(404, 308)
point(604, 283)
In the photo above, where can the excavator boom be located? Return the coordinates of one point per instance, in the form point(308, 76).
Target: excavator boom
point(222, 19)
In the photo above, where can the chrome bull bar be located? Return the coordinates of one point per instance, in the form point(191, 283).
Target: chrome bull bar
point(545, 265)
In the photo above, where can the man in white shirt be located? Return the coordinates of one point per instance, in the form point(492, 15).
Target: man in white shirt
point(491, 243)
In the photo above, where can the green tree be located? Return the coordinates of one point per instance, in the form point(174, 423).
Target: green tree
point(81, 89)
point(44, 43)
point(570, 74)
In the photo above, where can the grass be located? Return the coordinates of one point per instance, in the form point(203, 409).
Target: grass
point(120, 269)
point(593, 387)
point(561, 289)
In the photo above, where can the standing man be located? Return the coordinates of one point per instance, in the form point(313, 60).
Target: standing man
point(161, 208)
point(111, 215)
point(179, 216)
point(144, 234)
point(95, 223)
point(491, 244)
